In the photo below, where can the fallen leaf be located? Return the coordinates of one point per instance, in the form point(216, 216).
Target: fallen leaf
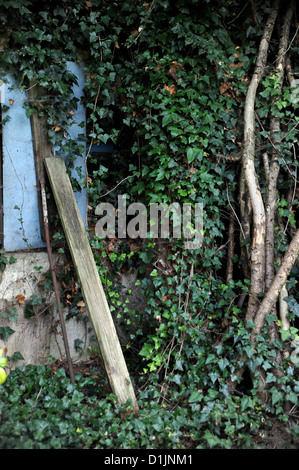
point(158, 67)
point(20, 298)
point(170, 89)
point(172, 71)
point(11, 102)
point(239, 64)
point(89, 4)
point(223, 88)
point(81, 303)
point(238, 53)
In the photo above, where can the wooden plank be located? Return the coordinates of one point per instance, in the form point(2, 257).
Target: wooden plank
point(90, 281)
point(41, 146)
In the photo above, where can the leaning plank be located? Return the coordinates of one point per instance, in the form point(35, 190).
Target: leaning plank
point(91, 285)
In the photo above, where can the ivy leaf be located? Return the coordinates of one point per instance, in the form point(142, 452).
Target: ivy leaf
point(276, 395)
point(177, 379)
point(17, 356)
point(246, 402)
point(38, 427)
point(5, 331)
point(166, 120)
point(195, 396)
point(211, 358)
point(146, 350)
point(211, 439)
point(293, 304)
point(214, 376)
point(223, 363)
point(193, 153)
point(293, 397)
point(146, 256)
point(270, 378)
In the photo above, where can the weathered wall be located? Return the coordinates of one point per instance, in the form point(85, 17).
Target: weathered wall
point(38, 337)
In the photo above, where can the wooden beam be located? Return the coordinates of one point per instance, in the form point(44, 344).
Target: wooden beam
point(90, 282)
point(41, 146)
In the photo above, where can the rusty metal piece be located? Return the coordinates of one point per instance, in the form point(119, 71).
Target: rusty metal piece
point(54, 279)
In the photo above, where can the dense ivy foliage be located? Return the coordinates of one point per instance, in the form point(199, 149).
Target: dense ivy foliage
point(165, 84)
point(40, 410)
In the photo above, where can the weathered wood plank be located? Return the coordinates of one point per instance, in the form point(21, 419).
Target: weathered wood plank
point(41, 144)
point(89, 278)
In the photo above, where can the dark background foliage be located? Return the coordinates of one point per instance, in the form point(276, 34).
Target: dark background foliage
point(165, 85)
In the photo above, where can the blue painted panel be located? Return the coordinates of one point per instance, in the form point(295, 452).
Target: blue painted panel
point(20, 196)
point(75, 130)
point(20, 200)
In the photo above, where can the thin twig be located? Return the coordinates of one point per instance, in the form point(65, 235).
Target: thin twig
point(239, 14)
point(130, 176)
point(241, 228)
point(37, 396)
point(278, 58)
point(294, 193)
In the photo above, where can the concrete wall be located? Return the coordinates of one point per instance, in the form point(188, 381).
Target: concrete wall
point(39, 336)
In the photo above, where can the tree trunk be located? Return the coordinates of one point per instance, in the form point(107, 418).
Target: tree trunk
point(274, 168)
point(259, 222)
point(246, 218)
point(275, 139)
point(277, 284)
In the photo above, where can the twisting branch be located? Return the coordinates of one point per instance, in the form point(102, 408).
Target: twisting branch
point(279, 281)
point(274, 164)
point(258, 241)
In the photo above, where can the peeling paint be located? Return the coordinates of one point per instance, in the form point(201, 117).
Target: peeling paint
point(20, 195)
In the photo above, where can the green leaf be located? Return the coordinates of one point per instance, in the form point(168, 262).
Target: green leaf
point(211, 358)
point(39, 427)
point(17, 356)
point(195, 396)
point(211, 439)
point(292, 397)
point(246, 402)
point(177, 379)
point(223, 363)
point(214, 376)
point(146, 350)
point(5, 332)
point(285, 334)
point(193, 153)
point(166, 120)
point(276, 395)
